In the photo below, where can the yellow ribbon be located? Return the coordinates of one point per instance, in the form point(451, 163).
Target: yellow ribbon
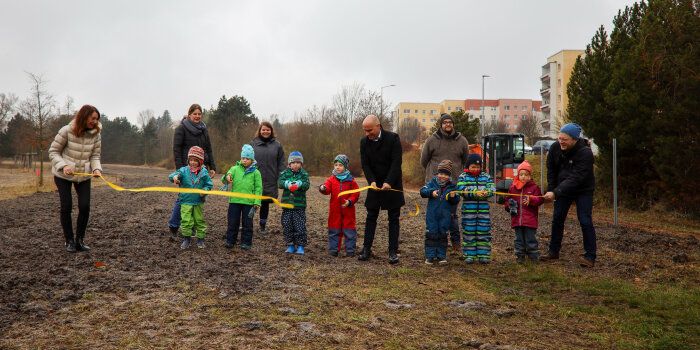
point(378, 189)
point(191, 190)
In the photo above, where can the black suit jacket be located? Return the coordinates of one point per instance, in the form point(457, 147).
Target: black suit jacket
point(381, 162)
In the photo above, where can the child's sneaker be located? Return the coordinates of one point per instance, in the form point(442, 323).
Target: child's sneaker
point(442, 261)
point(484, 261)
point(520, 259)
point(185, 243)
point(428, 261)
point(200, 243)
point(300, 250)
point(245, 247)
point(290, 249)
point(469, 260)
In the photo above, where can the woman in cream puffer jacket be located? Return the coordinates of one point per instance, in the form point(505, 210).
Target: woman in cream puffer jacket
point(76, 149)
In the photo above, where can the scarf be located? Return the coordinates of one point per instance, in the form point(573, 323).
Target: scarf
point(474, 173)
point(194, 129)
point(441, 183)
point(251, 168)
point(265, 139)
point(342, 177)
point(519, 184)
point(197, 173)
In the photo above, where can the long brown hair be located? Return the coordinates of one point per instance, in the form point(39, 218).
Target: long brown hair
point(81, 119)
point(267, 124)
point(193, 108)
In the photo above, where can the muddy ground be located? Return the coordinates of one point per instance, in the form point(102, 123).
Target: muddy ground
point(128, 233)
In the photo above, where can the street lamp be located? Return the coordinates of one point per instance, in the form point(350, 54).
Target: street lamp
point(483, 108)
point(381, 100)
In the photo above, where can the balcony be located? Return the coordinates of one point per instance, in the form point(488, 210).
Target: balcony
point(544, 78)
point(545, 91)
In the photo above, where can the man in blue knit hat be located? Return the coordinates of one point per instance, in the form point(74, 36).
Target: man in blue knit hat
point(570, 179)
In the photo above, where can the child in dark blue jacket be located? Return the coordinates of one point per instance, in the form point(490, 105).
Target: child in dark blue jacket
point(438, 216)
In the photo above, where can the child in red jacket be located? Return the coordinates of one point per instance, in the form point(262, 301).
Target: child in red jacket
point(523, 210)
point(341, 212)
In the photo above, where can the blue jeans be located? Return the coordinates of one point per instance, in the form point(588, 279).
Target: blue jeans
point(334, 237)
point(526, 242)
point(584, 211)
point(175, 216)
point(236, 214)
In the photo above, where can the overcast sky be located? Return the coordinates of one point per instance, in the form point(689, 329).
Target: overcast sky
point(285, 56)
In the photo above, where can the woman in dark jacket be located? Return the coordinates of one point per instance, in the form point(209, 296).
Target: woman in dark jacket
point(191, 132)
point(270, 157)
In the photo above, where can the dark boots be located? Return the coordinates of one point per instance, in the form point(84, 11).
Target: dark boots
point(70, 246)
point(365, 254)
point(393, 258)
point(173, 233)
point(80, 245)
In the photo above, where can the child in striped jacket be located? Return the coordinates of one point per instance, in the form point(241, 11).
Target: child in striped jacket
point(476, 218)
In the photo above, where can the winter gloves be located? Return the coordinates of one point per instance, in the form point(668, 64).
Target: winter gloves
point(513, 207)
point(292, 185)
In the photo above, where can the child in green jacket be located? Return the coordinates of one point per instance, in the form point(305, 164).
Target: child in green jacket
point(193, 176)
point(244, 177)
point(295, 181)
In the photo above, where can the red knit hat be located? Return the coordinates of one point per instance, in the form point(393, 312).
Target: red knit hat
point(525, 166)
point(196, 152)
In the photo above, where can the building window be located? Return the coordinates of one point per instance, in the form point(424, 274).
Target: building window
point(423, 120)
point(471, 108)
point(449, 108)
point(424, 113)
point(507, 108)
point(458, 108)
point(433, 120)
point(407, 111)
point(506, 117)
point(493, 117)
point(406, 120)
point(524, 108)
point(481, 108)
point(533, 109)
point(433, 112)
point(558, 67)
point(493, 108)
point(416, 111)
point(524, 117)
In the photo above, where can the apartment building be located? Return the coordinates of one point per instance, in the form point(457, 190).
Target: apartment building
point(555, 77)
point(509, 111)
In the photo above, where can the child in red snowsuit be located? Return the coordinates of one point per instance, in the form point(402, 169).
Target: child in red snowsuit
point(341, 212)
point(523, 211)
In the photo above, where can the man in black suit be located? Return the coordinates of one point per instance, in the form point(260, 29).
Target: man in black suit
point(380, 152)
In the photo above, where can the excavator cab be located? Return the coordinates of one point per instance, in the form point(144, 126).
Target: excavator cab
point(502, 154)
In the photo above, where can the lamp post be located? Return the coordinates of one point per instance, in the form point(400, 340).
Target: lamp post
point(482, 117)
point(381, 100)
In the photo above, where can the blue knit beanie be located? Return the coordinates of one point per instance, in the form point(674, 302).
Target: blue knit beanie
point(571, 129)
point(343, 159)
point(295, 156)
point(248, 152)
point(473, 158)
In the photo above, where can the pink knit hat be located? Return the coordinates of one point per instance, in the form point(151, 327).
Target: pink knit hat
point(525, 166)
point(196, 152)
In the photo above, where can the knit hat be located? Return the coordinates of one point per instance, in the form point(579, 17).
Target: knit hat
point(343, 159)
point(445, 167)
point(196, 152)
point(474, 158)
point(248, 152)
point(295, 156)
point(571, 129)
point(446, 116)
point(525, 166)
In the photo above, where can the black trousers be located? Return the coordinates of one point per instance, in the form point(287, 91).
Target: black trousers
point(371, 227)
point(264, 210)
point(64, 194)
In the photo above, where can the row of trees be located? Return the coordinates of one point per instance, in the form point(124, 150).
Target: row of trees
point(640, 85)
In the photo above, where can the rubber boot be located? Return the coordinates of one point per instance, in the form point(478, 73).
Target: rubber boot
point(290, 249)
point(173, 233)
point(300, 250)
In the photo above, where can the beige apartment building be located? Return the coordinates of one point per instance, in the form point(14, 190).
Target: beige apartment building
point(509, 111)
point(555, 77)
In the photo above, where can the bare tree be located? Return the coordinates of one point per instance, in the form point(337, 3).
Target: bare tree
point(530, 127)
point(412, 132)
point(7, 105)
point(495, 126)
point(145, 117)
point(346, 104)
point(39, 109)
point(68, 106)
